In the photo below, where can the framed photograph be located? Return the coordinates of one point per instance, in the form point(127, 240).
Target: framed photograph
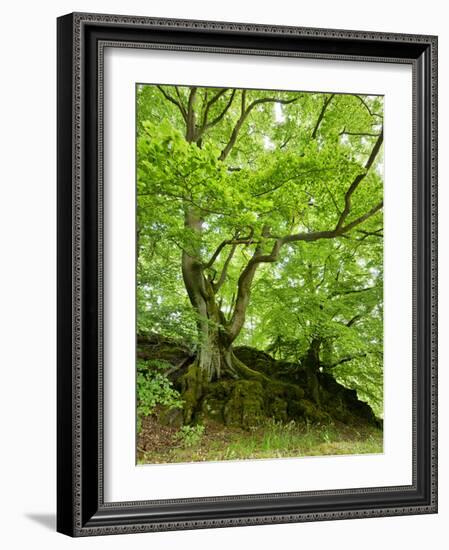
point(247, 280)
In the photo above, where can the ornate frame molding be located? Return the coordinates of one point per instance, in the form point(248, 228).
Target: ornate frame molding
point(81, 40)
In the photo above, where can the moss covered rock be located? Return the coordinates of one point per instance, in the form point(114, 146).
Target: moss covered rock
point(342, 403)
point(256, 359)
point(265, 388)
point(248, 403)
point(279, 410)
point(214, 400)
point(154, 346)
point(193, 387)
point(245, 406)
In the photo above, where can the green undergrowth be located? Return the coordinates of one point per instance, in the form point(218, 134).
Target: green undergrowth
point(273, 440)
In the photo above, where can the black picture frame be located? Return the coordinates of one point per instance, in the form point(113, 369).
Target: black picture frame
point(81, 510)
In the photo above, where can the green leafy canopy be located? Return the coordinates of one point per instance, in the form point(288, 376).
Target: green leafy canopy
point(258, 166)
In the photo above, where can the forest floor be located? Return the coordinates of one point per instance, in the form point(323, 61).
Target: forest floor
point(166, 444)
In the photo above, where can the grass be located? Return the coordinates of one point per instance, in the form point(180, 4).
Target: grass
point(273, 440)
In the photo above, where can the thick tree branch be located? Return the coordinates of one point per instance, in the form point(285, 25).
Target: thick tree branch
point(210, 103)
point(363, 218)
point(365, 104)
point(358, 179)
point(376, 233)
point(170, 98)
point(247, 275)
point(234, 241)
point(242, 298)
point(216, 286)
point(215, 255)
point(330, 234)
point(316, 235)
point(244, 112)
point(273, 256)
point(219, 117)
point(321, 115)
point(181, 101)
point(269, 100)
point(235, 131)
point(244, 284)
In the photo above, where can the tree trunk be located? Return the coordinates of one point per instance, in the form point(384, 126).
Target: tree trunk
point(214, 340)
point(312, 364)
point(215, 358)
point(215, 348)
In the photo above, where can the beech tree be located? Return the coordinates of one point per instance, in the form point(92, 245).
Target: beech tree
point(232, 185)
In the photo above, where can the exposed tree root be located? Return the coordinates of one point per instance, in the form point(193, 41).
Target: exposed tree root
point(246, 397)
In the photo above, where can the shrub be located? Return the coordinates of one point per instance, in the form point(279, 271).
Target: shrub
point(189, 436)
point(154, 388)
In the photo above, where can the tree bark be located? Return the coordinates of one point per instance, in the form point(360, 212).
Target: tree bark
point(312, 364)
point(215, 343)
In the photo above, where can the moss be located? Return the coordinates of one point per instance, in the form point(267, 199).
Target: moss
point(248, 373)
point(256, 359)
point(343, 404)
point(292, 392)
point(276, 388)
point(220, 390)
point(211, 409)
point(153, 346)
point(309, 411)
point(255, 397)
point(216, 395)
point(193, 383)
point(245, 406)
point(279, 410)
point(337, 408)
